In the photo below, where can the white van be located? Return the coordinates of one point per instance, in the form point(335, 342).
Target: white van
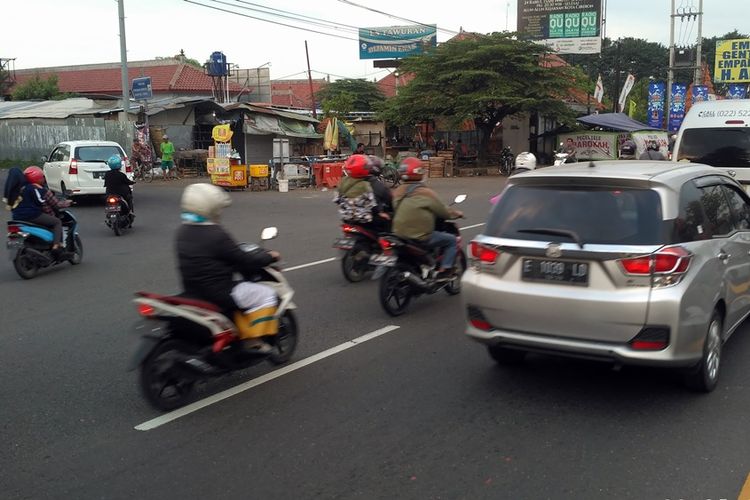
point(717, 133)
point(77, 167)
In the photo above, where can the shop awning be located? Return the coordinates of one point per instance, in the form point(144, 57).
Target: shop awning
point(257, 124)
point(614, 121)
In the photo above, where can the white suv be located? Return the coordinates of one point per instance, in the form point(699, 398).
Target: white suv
point(77, 168)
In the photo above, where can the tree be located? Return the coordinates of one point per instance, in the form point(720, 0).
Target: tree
point(484, 78)
point(364, 95)
point(339, 105)
point(37, 87)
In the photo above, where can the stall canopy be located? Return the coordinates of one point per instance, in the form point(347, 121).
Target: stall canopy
point(614, 121)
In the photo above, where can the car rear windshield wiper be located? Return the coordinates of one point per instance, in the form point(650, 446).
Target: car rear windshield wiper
point(554, 232)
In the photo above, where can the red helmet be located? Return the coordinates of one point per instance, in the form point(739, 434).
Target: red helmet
point(34, 175)
point(411, 169)
point(357, 166)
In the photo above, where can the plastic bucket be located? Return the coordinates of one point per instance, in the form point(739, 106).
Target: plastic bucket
point(283, 185)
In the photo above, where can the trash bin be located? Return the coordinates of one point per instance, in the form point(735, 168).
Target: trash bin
point(283, 185)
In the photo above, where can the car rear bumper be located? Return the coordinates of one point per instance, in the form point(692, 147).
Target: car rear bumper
point(609, 352)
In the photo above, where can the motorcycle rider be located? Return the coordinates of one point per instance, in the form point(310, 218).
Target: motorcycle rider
point(417, 208)
point(652, 152)
point(627, 150)
point(34, 207)
point(355, 196)
point(208, 257)
point(383, 195)
point(115, 182)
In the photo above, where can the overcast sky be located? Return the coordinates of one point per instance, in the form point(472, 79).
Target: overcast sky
point(57, 32)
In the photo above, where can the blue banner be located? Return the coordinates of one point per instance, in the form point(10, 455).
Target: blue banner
point(677, 106)
point(700, 94)
point(396, 41)
point(656, 92)
point(737, 91)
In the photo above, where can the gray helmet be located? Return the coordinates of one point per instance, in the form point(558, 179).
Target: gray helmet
point(205, 200)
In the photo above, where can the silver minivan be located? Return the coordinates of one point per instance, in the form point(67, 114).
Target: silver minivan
point(636, 262)
point(78, 167)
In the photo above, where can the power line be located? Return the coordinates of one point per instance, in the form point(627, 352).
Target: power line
point(300, 16)
point(268, 20)
point(392, 16)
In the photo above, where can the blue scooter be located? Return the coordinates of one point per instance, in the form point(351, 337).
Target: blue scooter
point(30, 245)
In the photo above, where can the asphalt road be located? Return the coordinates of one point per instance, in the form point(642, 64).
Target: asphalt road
point(418, 412)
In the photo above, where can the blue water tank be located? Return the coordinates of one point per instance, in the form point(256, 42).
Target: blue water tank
point(217, 64)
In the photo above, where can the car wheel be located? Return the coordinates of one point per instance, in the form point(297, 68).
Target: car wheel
point(505, 356)
point(704, 376)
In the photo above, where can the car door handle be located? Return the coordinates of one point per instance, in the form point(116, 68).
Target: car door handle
point(723, 256)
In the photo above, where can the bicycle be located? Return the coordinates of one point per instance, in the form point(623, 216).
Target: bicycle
point(143, 170)
point(390, 175)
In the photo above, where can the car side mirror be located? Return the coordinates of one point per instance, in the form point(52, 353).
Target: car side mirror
point(43, 158)
point(269, 233)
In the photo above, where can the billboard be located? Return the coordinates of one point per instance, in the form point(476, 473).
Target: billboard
point(396, 41)
point(567, 26)
point(591, 145)
point(656, 94)
point(677, 106)
point(732, 61)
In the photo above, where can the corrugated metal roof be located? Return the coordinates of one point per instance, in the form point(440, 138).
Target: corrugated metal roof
point(269, 111)
point(52, 109)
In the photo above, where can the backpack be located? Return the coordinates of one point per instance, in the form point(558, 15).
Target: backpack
point(357, 209)
point(13, 186)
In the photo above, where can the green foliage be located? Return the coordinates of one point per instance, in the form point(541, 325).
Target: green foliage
point(484, 78)
point(17, 163)
point(38, 88)
point(350, 94)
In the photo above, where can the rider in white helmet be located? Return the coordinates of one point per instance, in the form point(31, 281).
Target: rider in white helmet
point(208, 258)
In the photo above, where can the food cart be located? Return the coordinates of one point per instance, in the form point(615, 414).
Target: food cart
point(223, 164)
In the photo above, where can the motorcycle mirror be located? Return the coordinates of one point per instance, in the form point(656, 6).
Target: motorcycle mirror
point(269, 233)
point(460, 198)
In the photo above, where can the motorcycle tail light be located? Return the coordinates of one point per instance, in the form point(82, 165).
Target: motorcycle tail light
point(146, 310)
point(385, 244)
point(14, 229)
point(111, 200)
point(348, 228)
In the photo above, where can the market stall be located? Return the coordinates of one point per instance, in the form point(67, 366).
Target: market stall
point(223, 164)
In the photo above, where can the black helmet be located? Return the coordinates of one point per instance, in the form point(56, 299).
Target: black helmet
point(376, 165)
point(627, 148)
point(652, 145)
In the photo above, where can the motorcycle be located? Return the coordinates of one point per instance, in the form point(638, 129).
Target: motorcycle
point(30, 245)
point(117, 214)
point(358, 245)
point(407, 269)
point(185, 340)
point(506, 161)
point(562, 157)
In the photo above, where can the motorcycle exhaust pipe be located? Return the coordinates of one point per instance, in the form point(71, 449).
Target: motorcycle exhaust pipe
point(416, 281)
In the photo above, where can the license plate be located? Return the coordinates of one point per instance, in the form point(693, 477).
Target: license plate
point(383, 260)
point(99, 175)
point(564, 272)
point(344, 243)
point(112, 208)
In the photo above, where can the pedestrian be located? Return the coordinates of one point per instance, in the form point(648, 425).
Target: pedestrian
point(167, 157)
point(360, 149)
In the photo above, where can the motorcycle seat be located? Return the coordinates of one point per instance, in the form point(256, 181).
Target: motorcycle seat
point(179, 300)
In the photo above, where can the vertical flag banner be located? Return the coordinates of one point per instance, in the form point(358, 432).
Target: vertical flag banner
point(677, 107)
point(629, 82)
point(632, 107)
point(737, 91)
point(599, 90)
point(700, 93)
point(656, 93)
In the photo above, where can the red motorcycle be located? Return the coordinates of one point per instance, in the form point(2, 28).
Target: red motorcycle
point(358, 244)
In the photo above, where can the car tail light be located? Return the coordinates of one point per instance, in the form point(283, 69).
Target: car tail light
point(128, 168)
point(146, 310)
point(484, 253)
point(14, 229)
point(348, 228)
point(73, 169)
point(670, 260)
point(651, 339)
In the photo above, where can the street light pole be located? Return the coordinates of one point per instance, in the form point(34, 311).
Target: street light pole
point(615, 95)
point(124, 63)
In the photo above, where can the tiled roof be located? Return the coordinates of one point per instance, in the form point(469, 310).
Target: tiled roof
point(388, 83)
point(294, 93)
point(170, 76)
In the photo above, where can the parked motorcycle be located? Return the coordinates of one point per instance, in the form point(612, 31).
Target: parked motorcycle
point(407, 269)
point(30, 245)
point(117, 214)
point(562, 157)
point(358, 245)
point(186, 340)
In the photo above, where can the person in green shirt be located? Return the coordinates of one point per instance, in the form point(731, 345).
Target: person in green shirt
point(167, 157)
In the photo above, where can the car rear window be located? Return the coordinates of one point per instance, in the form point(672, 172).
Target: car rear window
point(597, 215)
point(718, 147)
point(97, 153)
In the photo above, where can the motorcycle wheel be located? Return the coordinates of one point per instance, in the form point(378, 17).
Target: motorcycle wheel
point(394, 293)
point(355, 264)
point(77, 251)
point(285, 342)
point(505, 168)
point(25, 265)
point(454, 287)
point(148, 173)
point(159, 385)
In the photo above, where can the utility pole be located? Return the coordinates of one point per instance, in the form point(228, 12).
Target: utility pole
point(670, 73)
point(309, 79)
point(124, 63)
point(615, 94)
point(698, 62)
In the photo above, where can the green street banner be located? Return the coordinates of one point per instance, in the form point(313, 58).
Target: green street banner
point(396, 41)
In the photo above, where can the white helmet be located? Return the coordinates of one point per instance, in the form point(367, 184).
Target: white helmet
point(206, 200)
point(525, 161)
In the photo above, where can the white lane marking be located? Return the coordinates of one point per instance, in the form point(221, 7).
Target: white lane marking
point(310, 264)
point(198, 405)
point(471, 227)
